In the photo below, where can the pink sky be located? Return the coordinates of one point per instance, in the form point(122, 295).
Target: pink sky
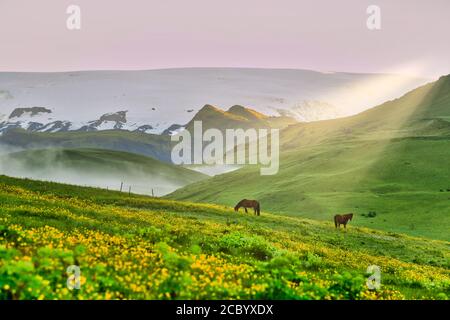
point(149, 34)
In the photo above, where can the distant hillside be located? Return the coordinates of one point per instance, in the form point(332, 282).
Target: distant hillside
point(237, 117)
point(99, 168)
point(40, 119)
point(139, 141)
point(390, 160)
point(155, 146)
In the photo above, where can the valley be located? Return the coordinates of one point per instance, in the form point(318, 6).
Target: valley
point(106, 169)
point(387, 165)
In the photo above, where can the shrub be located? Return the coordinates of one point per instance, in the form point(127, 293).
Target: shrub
point(312, 261)
point(370, 214)
point(347, 286)
point(284, 264)
point(236, 243)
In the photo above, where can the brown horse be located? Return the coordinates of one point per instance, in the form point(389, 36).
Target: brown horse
point(342, 219)
point(248, 204)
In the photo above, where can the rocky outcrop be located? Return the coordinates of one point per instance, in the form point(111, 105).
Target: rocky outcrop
point(33, 111)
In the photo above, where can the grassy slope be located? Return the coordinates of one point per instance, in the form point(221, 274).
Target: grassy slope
point(237, 117)
point(91, 166)
point(390, 159)
point(155, 146)
point(141, 247)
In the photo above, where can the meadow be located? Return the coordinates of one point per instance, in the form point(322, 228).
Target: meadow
point(139, 247)
point(387, 165)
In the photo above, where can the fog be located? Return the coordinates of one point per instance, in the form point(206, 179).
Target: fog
point(5, 149)
point(212, 170)
point(53, 165)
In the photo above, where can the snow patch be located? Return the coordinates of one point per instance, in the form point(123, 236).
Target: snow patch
point(160, 98)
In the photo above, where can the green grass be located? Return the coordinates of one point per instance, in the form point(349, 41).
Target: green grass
point(391, 160)
point(148, 248)
point(403, 188)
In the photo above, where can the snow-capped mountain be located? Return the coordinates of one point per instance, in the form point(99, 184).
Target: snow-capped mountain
point(153, 101)
point(40, 119)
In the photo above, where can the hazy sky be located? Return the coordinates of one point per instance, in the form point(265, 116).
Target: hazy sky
point(147, 34)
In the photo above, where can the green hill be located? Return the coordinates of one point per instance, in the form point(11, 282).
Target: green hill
point(137, 247)
point(391, 160)
point(97, 167)
point(151, 145)
point(237, 117)
point(155, 146)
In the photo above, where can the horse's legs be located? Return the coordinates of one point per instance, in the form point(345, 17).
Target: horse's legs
point(246, 210)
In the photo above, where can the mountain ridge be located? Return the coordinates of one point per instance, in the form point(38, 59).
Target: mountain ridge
point(139, 141)
point(161, 98)
point(237, 117)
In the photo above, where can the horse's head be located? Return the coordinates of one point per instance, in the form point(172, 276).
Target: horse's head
point(236, 208)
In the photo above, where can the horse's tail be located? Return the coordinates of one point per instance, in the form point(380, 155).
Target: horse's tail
point(335, 221)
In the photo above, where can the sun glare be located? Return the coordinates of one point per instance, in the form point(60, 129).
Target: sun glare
point(376, 89)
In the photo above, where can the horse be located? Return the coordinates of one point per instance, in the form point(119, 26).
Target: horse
point(342, 219)
point(248, 204)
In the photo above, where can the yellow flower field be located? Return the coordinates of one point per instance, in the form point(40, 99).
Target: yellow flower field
point(135, 247)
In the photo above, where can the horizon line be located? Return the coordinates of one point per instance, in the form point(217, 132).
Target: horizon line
point(429, 77)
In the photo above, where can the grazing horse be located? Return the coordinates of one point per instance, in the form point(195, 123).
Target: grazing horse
point(248, 204)
point(342, 219)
